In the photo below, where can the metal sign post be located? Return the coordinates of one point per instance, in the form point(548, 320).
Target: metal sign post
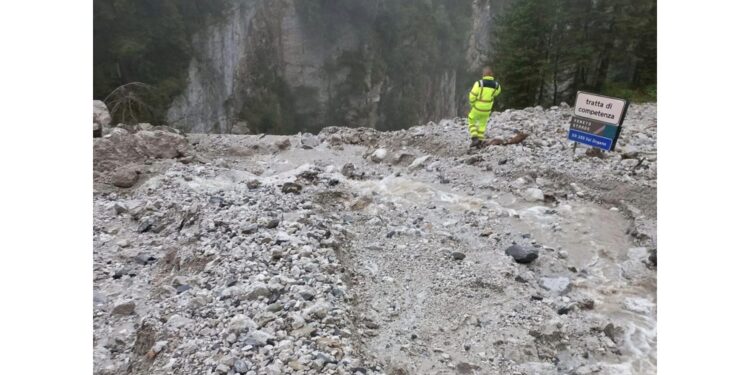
point(597, 120)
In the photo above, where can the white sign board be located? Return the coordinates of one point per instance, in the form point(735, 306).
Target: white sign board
point(599, 108)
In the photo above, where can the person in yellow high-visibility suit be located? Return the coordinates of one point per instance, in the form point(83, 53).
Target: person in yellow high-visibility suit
point(481, 98)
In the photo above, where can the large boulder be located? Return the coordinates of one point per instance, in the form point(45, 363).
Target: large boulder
point(102, 117)
point(125, 177)
point(379, 155)
point(309, 141)
point(533, 195)
point(101, 113)
point(122, 147)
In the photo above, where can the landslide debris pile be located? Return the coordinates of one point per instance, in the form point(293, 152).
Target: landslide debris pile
point(358, 251)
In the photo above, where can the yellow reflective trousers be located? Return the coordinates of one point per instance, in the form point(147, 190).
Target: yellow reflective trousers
point(478, 123)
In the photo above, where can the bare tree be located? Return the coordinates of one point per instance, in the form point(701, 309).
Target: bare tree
point(126, 102)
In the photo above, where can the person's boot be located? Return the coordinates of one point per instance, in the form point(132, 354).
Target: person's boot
point(474, 142)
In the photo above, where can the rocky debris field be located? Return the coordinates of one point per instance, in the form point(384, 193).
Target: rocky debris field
point(359, 251)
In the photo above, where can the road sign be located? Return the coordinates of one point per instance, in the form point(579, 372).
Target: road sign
point(597, 120)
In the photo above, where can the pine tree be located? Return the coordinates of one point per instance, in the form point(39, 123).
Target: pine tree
point(521, 47)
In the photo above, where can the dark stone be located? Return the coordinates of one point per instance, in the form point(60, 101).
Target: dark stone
point(252, 184)
point(465, 368)
point(613, 332)
point(291, 187)
point(564, 310)
point(273, 223)
point(652, 257)
point(306, 295)
point(522, 255)
point(144, 259)
point(348, 170)
point(182, 288)
point(283, 144)
point(586, 304)
point(458, 256)
point(536, 298)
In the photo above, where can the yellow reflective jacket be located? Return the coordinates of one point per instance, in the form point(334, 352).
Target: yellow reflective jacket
point(483, 94)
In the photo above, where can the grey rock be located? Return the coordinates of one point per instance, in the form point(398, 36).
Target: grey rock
point(521, 254)
point(379, 155)
point(533, 195)
point(309, 141)
point(240, 324)
point(177, 321)
point(317, 311)
point(144, 259)
point(458, 256)
point(419, 162)
point(241, 366)
point(122, 147)
point(145, 224)
point(120, 209)
point(284, 144)
point(277, 253)
point(348, 170)
point(559, 285)
point(272, 223)
point(261, 337)
point(613, 332)
point(102, 116)
point(306, 293)
point(248, 228)
point(125, 177)
point(258, 290)
point(126, 308)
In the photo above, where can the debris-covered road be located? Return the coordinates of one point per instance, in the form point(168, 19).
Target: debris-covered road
point(358, 251)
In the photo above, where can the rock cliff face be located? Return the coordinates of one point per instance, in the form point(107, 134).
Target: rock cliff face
point(282, 66)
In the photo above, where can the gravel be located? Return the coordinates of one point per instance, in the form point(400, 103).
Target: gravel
point(280, 255)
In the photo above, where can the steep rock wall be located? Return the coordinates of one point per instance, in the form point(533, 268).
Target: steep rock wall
point(284, 66)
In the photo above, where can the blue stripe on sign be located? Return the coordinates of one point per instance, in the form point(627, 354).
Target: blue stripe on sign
point(590, 139)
